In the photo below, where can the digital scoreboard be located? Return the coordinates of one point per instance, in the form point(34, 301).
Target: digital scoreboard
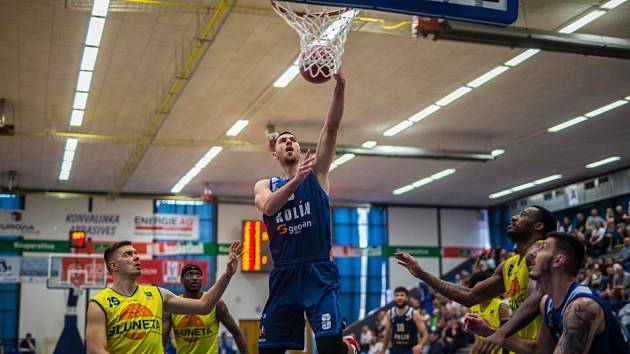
point(256, 253)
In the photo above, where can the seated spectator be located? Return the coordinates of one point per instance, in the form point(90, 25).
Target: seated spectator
point(27, 345)
point(626, 215)
point(606, 285)
point(454, 337)
point(376, 346)
point(610, 215)
point(597, 278)
point(620, 283)
point(365, 339)
point(597, 240)
point(593, 219)
point(611, 237)
point(618, 215)
point(581, 224)
point(435, 345)
point(566, 225)
point(624, 319)
point(624, 255)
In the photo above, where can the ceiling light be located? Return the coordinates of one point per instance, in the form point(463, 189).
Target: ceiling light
point(287, 76)
point(84, 80)
point(100, 8)
point(80, 100)
point(606, 108)
point(603, 162)
point(522, 57)
point(612, 4)
point(497, 152)
point(95, 31)
point(369, 144)
point(66, 166)
point(199, 166)
point(64, 175)
point(209, 156)
point(574, 121)
point(89, 58)
point(424, 181)
point(71, 144)
point(424, 113)
point(524, 186)
point(402, 190)
point(488, 76)
point(398, 128)
point(68, 155)
point(500, 194)
point(341, 160)
point(76, 118)
point(453, 96)
point(237, 127)
point(582, 21)
point(547, 179)
point(443, 174)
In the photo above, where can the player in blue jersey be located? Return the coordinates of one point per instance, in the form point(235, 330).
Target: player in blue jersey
point(296, 210)
point(575, 319)
point(403, 327)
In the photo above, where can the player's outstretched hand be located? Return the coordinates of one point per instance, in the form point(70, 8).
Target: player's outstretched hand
point(476, 324)
point(234, 256)
point(307, 161)
point(408, 261)
point(340, 76)
point(494, 342)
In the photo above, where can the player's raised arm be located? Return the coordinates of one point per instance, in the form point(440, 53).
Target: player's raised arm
point(483, 291)
point(95, 333)
point(223, 314)
point(181, 305)
point(524, 315)
point(269, 203)
point(326, 145)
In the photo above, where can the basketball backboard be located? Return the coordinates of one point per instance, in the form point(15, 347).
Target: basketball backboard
point(490, 12)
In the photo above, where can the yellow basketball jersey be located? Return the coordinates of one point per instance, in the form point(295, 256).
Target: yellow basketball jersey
point(516, 280)
point(133, 323)
point(196, 334)
point(491, 315)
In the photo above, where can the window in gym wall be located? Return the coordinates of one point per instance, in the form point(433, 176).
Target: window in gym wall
point(364, 273)
point(207, 230)
point(9, 293)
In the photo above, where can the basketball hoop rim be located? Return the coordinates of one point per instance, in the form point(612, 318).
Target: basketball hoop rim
point(275, 4)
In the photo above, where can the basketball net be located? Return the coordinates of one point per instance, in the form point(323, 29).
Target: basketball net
point(322, 36)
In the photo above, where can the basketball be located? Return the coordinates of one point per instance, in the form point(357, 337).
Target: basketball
point(314, 67)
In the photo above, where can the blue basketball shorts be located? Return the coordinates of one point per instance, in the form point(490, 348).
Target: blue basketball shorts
point(295, 290)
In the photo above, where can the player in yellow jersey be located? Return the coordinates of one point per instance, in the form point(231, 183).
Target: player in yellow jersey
point(511, 277)
point(198, 334)
point(127, 317)
point(495, 312)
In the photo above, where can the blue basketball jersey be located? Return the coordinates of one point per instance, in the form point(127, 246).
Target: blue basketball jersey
point(300, 231)
point(404, 329)
point(608, 342)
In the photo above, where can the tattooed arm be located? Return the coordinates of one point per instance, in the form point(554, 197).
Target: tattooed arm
point(483, 291)
point(583, 318)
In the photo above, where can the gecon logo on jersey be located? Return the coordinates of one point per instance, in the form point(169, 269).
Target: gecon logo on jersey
point(292, 220)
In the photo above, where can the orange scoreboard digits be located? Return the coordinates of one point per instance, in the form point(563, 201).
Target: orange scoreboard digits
point(256, 254)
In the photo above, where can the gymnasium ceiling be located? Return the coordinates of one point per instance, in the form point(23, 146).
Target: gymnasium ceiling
point(390, 77)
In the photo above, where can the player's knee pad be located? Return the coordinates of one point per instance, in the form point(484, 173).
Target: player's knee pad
point(331, 345)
